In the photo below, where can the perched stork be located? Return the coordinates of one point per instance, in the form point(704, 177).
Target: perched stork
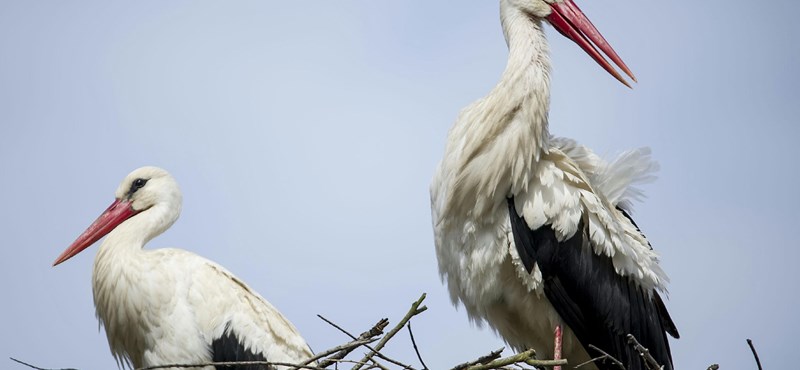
point(533, 233)
point(169, 306)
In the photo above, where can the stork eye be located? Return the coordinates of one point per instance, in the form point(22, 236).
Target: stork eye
point(136, 185)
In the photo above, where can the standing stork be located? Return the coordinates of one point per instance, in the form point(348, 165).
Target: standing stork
point(533, 233)
point(170, 306)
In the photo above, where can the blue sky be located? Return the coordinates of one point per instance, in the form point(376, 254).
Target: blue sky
point(304, 135)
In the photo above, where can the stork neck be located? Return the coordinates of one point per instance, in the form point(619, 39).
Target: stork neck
point(499, 138)
point(524, 89)
point(127, 239)
point(520, 102)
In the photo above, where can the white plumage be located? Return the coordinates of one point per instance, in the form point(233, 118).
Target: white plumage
point(500, 156)
point(168, 306)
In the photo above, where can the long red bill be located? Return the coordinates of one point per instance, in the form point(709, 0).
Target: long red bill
point(116, 213)
point(570, 21)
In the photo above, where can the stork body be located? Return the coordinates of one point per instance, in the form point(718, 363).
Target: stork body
point(169, 306)
point(533, 232)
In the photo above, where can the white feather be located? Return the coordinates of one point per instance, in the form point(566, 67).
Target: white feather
point(618, 180)
point(165, 306)
point(500, 147)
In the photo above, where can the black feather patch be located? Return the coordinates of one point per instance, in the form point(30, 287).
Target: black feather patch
point(229, 348)
point(600, 306)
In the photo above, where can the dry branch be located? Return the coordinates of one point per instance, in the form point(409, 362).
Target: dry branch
point(369, 335)
point(383, 323)
point(528, 357)
point(341, 349)
point(414, 343)
point(413, 311)
point(481, 360)
point(604, 356)
point(649, 362)
point(755, 354)
point(35, 367)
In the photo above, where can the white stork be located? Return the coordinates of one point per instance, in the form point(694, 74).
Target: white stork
point(533, 233)
point(168, 306)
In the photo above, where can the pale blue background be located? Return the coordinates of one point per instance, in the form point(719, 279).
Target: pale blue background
point(304, 135)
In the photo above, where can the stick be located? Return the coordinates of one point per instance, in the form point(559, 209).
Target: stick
point(526, 357)
point(649, 361)
point(378, 364)
point(345, 348)
point(755, 354)
point(413, 311)
point(605, 356)
point(376, 330)
point(414, 343)
point(494, 355)
point(35, 367)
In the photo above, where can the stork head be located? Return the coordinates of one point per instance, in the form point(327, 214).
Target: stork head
point(143, 189)
point(570, 21)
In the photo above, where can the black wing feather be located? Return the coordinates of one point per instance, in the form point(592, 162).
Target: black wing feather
point(600, 306)
point(229, 348)
point(669, 325)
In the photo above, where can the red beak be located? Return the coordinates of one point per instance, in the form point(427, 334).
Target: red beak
point(116, 213)
point(568, 19)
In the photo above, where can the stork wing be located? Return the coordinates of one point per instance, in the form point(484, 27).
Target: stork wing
point(243, 326)
point(618, 180)
point(597, 269)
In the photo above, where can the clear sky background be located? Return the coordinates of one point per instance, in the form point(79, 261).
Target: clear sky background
point(304, 135)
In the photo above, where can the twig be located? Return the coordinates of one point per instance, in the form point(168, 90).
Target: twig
point(376, 330)
point(494, 355)
point(344, 348)
point(593, 360)
point(374, 364)
point(649, 361)
point(35, 367)
point(378, 364)
point(413, 311)
point(527, 357)
point(414, 343)
point(379, 327)
point(605, 356)
point(755, 354)
point(387, 358)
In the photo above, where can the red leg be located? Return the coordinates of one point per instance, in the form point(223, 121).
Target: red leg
point(557, 354)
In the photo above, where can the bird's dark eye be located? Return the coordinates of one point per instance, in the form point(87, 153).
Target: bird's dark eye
point(136, 185)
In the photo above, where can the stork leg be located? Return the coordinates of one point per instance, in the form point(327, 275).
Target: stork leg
point(557, 351)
